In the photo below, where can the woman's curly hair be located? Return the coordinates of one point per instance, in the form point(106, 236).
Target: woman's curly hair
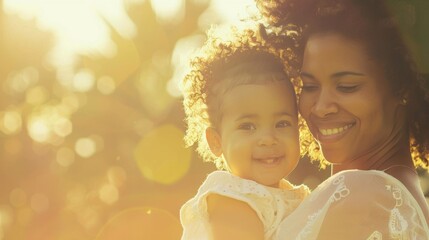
point(372, 23)
point(224, 50)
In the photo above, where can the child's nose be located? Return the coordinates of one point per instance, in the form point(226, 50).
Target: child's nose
point(267, 138)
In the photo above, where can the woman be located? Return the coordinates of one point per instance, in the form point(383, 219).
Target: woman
point(368, 110)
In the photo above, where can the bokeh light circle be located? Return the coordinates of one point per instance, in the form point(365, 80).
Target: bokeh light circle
point(162, 156)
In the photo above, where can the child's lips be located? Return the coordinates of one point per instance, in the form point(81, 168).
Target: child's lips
point(269, 159)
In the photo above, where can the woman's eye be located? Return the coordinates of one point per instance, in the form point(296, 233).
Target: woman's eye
point(283, 124)
point(247, 126)
point(347, 89)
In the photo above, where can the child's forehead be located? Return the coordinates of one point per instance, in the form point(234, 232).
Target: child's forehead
point(259, 99)
point(245, 78)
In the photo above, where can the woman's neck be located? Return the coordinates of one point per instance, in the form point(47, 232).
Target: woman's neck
point(395, 152)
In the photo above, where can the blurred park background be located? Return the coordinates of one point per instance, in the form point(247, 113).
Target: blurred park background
point(91, 121)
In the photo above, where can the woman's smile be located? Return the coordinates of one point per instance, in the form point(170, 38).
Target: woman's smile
point(326, 133)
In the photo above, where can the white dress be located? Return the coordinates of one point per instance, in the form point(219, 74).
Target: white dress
point(357, 204)
point(272, 205)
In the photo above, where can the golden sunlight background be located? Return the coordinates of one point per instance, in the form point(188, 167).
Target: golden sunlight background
point(91, 122)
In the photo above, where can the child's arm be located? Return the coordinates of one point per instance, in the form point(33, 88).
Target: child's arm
point(233, 219)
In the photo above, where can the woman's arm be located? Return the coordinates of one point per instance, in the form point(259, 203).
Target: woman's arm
point(233, 219)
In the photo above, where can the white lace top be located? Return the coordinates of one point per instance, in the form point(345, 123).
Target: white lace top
point(272, 205)
point(357, 204)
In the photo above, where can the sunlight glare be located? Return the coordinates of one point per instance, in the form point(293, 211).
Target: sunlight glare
point(220, 12)
point(226, 12)
point(80, 27)
point(119, 19)
point(182, 52)
point(231, 11)
point(169, 11)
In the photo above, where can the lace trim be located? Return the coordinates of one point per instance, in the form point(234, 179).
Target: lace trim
point(376, 235)
point(397, 223)
point(309, 226)
point(341, 192)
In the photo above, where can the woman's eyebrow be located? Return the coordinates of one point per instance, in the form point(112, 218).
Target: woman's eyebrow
point(307, 75)
point(346, 73)
point(335, 75)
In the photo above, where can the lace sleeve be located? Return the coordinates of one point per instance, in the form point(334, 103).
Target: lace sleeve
point(357, 205)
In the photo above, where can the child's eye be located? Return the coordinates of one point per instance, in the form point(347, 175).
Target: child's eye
point(247, 126)
point(347, 88)
point(283, 124)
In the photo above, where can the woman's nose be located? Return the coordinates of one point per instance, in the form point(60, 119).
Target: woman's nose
point(325, 104)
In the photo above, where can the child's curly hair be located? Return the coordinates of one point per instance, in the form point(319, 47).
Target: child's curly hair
point(223, 51)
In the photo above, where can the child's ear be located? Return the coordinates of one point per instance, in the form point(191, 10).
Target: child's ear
point(214, 140)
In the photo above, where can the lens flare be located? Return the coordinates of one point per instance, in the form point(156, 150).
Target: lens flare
point(141, 223)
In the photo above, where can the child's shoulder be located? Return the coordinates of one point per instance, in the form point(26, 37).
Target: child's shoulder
point(225, 182)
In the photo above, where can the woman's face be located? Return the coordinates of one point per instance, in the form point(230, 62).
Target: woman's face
point(346, 101)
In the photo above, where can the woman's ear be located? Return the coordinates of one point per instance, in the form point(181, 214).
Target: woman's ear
point(404, 96)
point(214, 140)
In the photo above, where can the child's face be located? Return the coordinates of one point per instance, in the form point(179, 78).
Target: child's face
point(259, 132)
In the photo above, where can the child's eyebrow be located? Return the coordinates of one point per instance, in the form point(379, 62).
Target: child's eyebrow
point(279, 114)
point(253, 116)
point(246, 116)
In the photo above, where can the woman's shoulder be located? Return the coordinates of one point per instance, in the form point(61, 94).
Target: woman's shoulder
point(368, 186)
point(363, 180)
point(356, 204)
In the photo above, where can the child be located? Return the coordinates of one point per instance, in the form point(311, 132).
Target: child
point(241, 109)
